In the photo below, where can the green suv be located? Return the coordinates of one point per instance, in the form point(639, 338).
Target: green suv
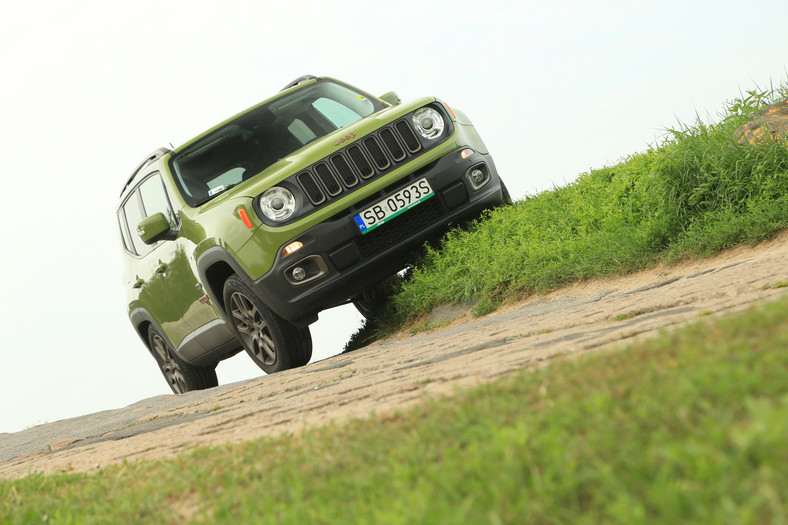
point(239, 238)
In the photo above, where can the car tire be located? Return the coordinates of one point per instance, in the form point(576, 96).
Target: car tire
point(507, 199)
point(272, 342)
point(181, 376)
point(370, 302)
point(306, 348)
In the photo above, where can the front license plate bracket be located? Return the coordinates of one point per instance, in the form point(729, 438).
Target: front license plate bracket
point(394, 205)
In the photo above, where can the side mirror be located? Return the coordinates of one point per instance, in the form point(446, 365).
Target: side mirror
point(392, 98)
point(154, 228)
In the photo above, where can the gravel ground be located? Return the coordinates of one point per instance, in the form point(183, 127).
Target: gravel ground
point(403, 370)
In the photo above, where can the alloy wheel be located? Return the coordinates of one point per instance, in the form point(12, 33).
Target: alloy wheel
point(253, 328)
point(169, 367)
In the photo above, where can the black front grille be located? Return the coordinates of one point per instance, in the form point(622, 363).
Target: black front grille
point(311, 187)
point(326, 176)
point(392, 144)
point(373, 155)
point(376, 152)
point(359, 159)
point(408, 136)
point(344, 170)
point(400, 228)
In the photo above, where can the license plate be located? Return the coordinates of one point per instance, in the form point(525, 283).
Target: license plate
point(393, 205)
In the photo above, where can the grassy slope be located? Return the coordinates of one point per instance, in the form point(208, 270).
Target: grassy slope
point(687, 429)
point(690, 428)
point(700, 191)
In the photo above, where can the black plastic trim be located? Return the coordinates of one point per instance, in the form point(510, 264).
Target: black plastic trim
point(350, 270)
point(370, 156)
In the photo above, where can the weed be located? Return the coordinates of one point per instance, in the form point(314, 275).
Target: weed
point(698, 191)
point(422, 326)
point(484, 307)
point(628, 315)
point(687, 428)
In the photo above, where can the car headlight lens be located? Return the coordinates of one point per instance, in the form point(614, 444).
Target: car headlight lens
point(428, 123)
point(277, 203)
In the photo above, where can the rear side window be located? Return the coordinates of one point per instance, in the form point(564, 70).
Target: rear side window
point(124, 232)
point(132, 211)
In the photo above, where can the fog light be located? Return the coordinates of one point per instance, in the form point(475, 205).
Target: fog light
point(306, 270)
point(478, 176)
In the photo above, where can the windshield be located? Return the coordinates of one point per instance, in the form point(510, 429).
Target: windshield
point(253, 141)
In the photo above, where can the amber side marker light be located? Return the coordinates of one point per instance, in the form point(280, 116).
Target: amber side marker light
point(292, 248)
point(450, 110)
point(245, 218)
point(467, 152)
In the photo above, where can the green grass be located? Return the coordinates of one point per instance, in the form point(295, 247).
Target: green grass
point(688, 428)
point(629, 315)
point(699, 191)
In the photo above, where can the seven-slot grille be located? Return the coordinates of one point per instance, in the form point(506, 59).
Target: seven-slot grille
point(376, 153)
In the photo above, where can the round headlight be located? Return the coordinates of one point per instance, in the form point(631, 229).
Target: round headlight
point(277, 203)
point(428, 123)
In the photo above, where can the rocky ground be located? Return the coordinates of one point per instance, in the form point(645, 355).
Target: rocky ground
point(459, 352)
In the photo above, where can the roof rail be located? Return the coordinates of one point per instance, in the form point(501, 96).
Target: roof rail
point(159, 153)
point(299, 80)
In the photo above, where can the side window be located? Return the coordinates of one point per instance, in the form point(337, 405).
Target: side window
point(147, 199)
point(154, 200)
point(132, 211)
point(124, 232)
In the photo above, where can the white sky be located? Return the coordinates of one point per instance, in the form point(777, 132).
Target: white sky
point(89, 88)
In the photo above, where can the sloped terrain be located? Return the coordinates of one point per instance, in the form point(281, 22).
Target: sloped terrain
point(406, 369)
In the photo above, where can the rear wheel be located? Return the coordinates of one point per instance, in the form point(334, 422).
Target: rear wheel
point(271, 341)
point(181, 376)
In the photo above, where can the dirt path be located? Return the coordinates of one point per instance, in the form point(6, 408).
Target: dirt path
point(401, 371)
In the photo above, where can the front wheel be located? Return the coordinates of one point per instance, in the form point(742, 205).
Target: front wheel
point(181, 376)
point(273, 343)
point(371, 302)
point(507, 199)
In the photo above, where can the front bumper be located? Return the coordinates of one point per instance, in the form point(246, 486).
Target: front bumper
point(341, 262)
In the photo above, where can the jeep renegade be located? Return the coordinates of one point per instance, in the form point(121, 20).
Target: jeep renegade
point(240, 237)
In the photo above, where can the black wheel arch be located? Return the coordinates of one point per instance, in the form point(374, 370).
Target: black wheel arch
point(215, 265)
point(142, 320)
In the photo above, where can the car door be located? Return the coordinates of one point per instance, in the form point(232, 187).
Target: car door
point(160, 279)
